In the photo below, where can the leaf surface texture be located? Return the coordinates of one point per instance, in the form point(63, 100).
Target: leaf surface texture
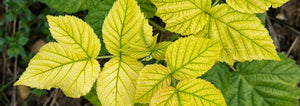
point(242, 36)
point(265, 83)
point(191, 57)
point(70, 6)
point(191, 92)
point(254, 6)
point(183, 16)
point(117, 82)
point(126, 29)
point(151, 79)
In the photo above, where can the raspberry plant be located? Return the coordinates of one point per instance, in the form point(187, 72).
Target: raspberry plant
point(195, 69)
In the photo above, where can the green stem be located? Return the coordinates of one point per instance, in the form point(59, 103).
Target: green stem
point(10, 82)
point(104, 57)
point(215, 3)
point(173, 82)
point(232, 68)
point(157, 26)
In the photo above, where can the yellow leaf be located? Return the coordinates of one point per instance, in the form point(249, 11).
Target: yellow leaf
point(242, 36)
point(183, 16)
point(254, 6)
point(159, 50)
point(126, 24)
point(191, 92)
point(191, 57)
point(116, 84)
point(76, 33)
point(68, 64)
point(57, 66)
point(151, 79)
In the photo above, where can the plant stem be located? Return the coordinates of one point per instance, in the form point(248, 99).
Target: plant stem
point(232, 68)
point(157, 26)
point(216, 2)
point(173, 82)
point(104, 57)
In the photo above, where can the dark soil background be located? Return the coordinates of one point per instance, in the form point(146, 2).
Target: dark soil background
point(283, 24)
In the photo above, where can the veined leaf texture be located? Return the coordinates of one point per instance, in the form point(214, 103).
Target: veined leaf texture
point(190, 92)
point(242, 36)
point(254, 6)
point(68, 64)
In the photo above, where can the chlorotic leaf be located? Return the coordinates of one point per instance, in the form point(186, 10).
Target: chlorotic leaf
point(267, 83)
point(160, 49)
point(183, 16)
point(68, 64)
point(242, 36)
point(70, 6)
point(254, 6)
point(95, 18)
point(57, 66)
point(92, 96)
point(191, 92)
point(219, 75)
point(116, 84)
point(76, 33)
point(151, 79)
point(126, 25)
point(147, 7)
point(191, 57)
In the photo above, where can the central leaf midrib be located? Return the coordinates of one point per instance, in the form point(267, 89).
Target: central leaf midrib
point(210, 15)
point(68, 34)
point(175, 70)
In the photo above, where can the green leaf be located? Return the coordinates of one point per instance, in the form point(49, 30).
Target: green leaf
point(160, 49)
point(95, 18)
point(254, 6)
point(191, 92)
point(151, 79)
point(219, 75)
point(191, 57)
point(92, 96)
point(266, 83)
point(147, 7)
point(242, 36)
point(68, 64)
point(117, 82)
point(70, 6)
point(183, 16)
point(126, 29)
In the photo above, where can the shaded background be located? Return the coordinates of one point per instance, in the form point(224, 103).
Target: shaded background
point(24, 29)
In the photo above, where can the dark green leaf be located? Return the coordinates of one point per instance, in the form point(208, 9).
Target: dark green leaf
point(219, 75)
point(265, 83)
point(96, 17)
point(147, 7)
point(92, 96)
point(71, 6)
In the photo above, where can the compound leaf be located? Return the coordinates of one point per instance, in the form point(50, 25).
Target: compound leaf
point(68, 64)
point(151, 79)
point(254, 6)
point(147, 7)
point(191, 57)
point(70, 6)
point(160, 49)
point(191, 92)
point(126, 24)
point(183, 16)
point(95, 18)
point(242, 36)
point(116, 84)
point(268, 83)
